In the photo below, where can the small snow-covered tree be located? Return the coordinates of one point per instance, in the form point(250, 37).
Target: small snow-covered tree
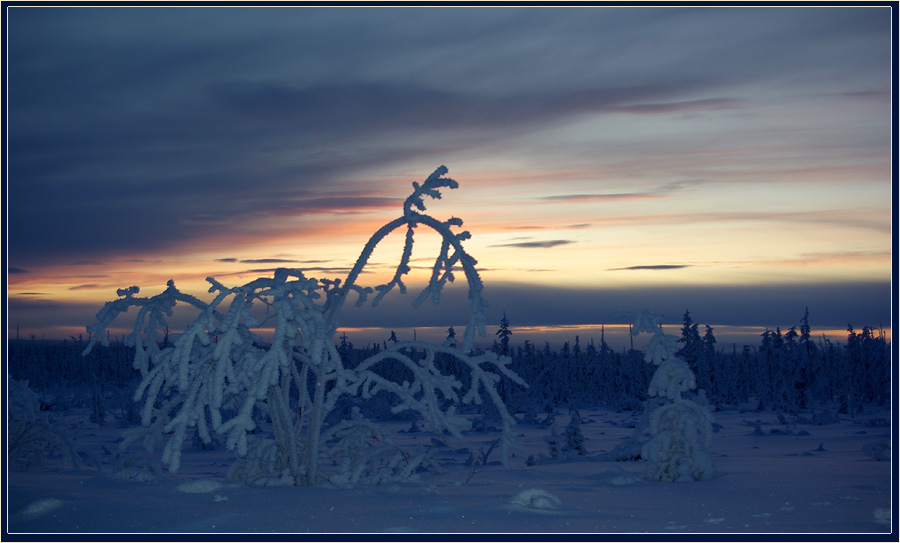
point(569, 443)
point(221, 376)
point(574, 437)
point(681, 428)
point(556, 442)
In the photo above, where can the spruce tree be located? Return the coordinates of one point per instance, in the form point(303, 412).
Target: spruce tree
point(692, 347)
point(503, 333)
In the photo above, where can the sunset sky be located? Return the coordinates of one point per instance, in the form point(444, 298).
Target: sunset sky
point(734, 161)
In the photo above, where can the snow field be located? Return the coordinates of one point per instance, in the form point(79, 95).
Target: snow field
point(782, 478)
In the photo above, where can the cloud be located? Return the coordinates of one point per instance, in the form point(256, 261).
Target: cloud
point(865, 219)
point(337, 270)
point(690, 106)
point(579, 198)
point(578, 226)
point(16, 270)
point(241, 141)
point(367, 107)
point(61, 318)
point(268, 261)
point(536, 244)
point(243, 115)
point(661, 191)
point(852, 258)
point(653, 267)
point(831, 305)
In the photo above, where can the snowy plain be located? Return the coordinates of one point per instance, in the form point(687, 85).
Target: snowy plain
point(775, 475)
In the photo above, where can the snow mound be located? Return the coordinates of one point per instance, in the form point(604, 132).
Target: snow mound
point(200, 486)
point(535, 498)
point(40, 508)
point(135, 474)
point(879, 450)
point(619, 477)
point(623, 452)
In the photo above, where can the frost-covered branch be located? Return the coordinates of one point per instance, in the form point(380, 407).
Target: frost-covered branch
point(442, 270)
point(219, 375)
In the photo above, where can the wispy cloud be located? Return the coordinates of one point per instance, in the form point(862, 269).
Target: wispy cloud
point(337, 270)
point(268, 261)
point(387, 106)
point(850, 218)
point(578, 198)
point(578, 226)
point(536, 244)
point(653, 267)
point(16, 270)
point(689, 106)
point(821, 258)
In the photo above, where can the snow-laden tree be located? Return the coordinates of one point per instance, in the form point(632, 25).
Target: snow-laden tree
point(220, 376)
point(681, 428)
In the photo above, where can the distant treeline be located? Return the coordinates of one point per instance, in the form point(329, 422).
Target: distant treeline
point(787, 371)
point(49, 363)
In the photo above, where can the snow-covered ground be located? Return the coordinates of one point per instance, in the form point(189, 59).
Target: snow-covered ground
point(778, 476)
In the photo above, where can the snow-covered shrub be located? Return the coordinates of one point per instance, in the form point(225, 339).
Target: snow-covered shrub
point(137, 470)
point(32, 437)
point(879, 450)
point(569, 443)
point(536, 498)
point(556, 442)
point(220, 376)
point(681, 428)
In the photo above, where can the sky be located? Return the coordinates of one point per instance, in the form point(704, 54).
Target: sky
point(730, 161)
